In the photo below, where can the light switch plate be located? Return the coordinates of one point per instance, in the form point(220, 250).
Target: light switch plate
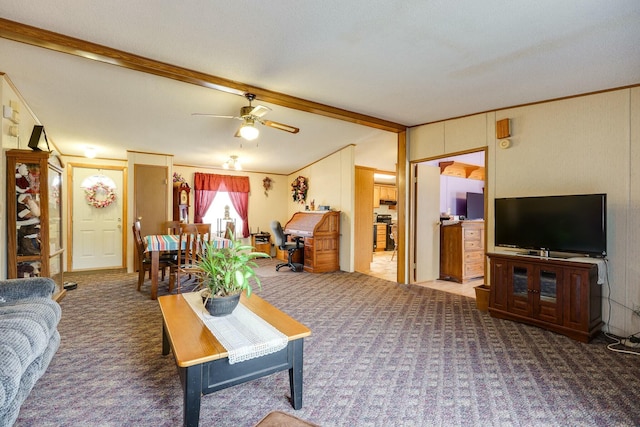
point(7, 112)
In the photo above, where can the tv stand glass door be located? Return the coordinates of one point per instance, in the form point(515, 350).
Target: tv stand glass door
point(534, 291)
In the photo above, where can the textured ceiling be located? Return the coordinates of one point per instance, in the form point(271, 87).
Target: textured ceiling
point(408, 62)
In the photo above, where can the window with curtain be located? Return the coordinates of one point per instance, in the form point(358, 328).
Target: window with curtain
point(206, 187)
point(217, 208)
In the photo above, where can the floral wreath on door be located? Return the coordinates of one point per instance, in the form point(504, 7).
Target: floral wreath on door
point(100, 195)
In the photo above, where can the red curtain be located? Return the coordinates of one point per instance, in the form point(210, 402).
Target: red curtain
point(240, 202)
point(207, 185)
point(202, 200)
point(212, 182)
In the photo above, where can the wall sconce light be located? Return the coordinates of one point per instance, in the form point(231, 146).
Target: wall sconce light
point(248, 130)
point(90, 152)
point(232, 163)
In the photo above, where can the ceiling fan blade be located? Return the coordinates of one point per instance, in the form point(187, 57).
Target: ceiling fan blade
point(280, 126)
point(259, 110)
point(218, 116)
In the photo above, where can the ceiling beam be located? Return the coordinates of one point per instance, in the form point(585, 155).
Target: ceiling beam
point(18, 32)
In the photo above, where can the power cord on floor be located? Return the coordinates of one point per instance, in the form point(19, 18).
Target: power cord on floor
point(632, 341)
point(620, 341)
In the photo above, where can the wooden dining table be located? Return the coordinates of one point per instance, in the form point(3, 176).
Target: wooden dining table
point(156, 243)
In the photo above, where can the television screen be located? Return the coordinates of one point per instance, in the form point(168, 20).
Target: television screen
point(572, 223)
point(475, 206)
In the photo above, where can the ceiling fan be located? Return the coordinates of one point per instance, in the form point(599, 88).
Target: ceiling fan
point(251, 115)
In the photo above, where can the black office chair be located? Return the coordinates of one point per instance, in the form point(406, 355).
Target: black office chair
point(283, 244)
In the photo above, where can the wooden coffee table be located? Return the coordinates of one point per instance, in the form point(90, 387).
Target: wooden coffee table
point(203, 362)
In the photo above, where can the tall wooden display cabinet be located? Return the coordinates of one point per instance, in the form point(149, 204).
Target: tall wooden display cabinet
point(34, 216)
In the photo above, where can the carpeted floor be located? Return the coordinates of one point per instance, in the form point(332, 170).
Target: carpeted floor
point(380, 354)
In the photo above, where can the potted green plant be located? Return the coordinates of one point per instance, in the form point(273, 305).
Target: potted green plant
point(226, 273)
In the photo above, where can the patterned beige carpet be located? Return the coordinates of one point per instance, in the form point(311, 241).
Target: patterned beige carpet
point(380, 354)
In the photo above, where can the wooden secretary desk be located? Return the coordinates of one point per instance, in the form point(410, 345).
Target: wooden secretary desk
point(321, 232)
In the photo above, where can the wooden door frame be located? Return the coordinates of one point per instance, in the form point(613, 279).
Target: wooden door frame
point(363, 224)
point(412, 200)
point(70, 168)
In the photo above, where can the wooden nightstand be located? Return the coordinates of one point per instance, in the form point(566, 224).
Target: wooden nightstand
point(261, 242)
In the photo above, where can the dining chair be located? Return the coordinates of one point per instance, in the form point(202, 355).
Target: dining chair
point(203, 230)
point(171, 227)
point(144, 260)
point(230, 232)
point(394, 236)
point(190, 248)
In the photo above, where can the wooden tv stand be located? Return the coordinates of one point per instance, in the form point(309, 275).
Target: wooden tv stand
point(555, 294)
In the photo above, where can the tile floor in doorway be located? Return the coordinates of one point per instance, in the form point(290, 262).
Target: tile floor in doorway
point(385, 268)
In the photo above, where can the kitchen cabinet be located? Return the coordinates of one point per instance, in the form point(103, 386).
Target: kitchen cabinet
point(376, 196)
point(34, 217)
point(388, 193)
point(384, 193)
point(462, 250)
point(559, 295)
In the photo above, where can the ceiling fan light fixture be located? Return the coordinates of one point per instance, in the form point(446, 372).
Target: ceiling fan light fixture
point(248, 131)
point(232, 163)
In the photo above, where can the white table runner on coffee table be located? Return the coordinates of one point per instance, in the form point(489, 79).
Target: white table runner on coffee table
point(243, 333)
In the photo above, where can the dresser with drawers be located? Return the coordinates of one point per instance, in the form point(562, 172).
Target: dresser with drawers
point(462, 250)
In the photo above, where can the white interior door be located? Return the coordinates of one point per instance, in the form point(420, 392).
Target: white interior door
point(97, 239)
point(427, 220)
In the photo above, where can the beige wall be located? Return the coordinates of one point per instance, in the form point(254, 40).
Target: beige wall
point(587, 144)
point(331, 182)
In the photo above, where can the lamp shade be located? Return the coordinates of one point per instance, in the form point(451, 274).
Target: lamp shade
point(249, 132)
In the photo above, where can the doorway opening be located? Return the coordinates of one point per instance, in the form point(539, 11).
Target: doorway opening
point(451, 194)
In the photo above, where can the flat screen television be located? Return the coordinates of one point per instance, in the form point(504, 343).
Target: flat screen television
point(475, 206)
point(571, 223)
